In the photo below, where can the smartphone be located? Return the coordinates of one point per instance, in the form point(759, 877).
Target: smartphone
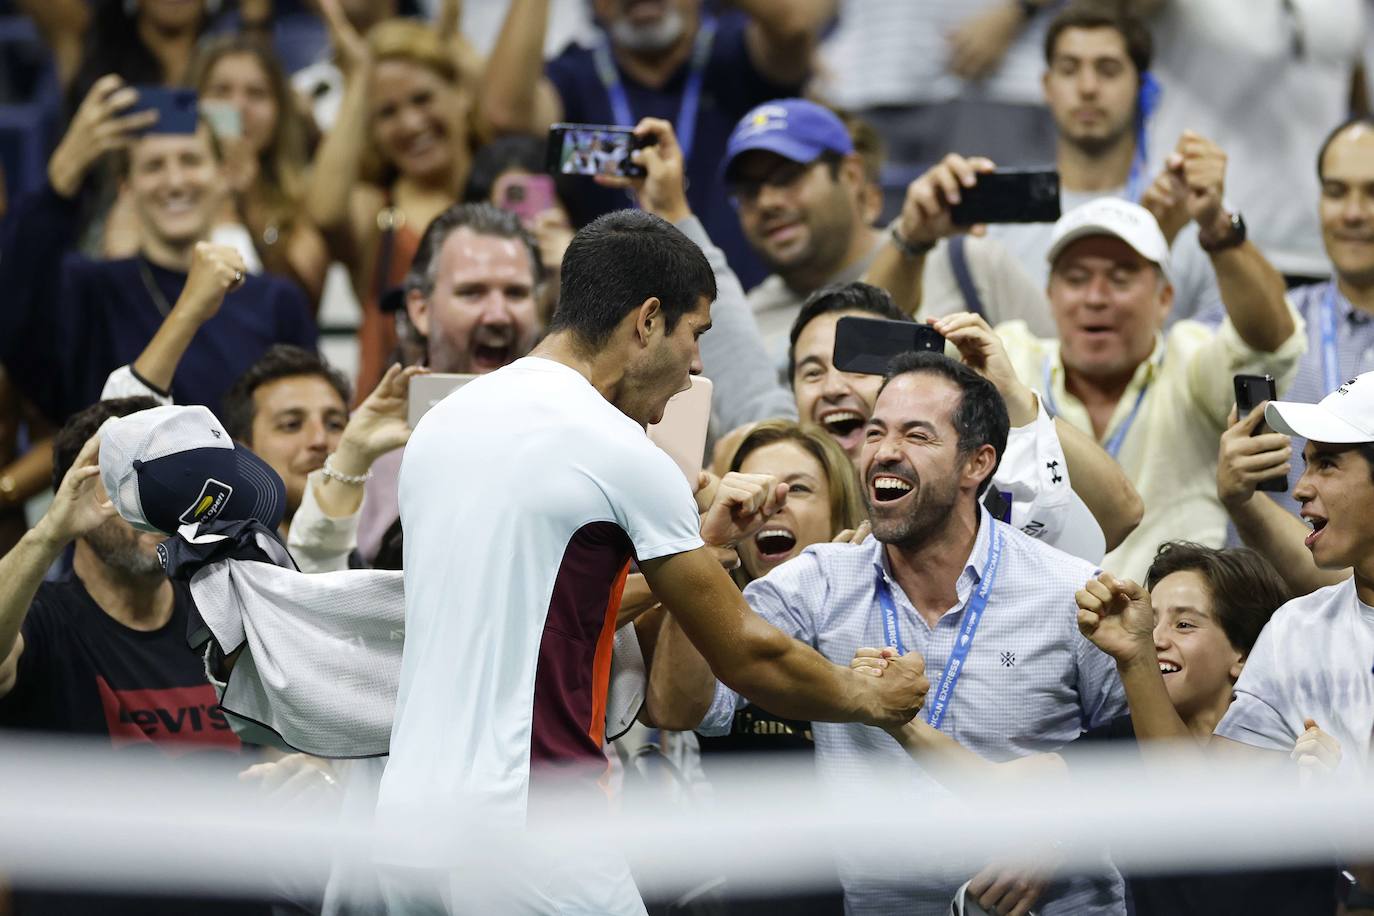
point(682, 431)
point(1009, 196)
point(428, 390)
point(176, 109)
point(525, 195)
point(593, 149)
point(224, 119)
point(1252, 390)
point(868, 345)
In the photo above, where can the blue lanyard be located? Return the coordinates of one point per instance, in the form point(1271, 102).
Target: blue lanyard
point(1147, 101)
point(686, 123)
point(1112, 445)
point(973, 614)
point(1331, 367)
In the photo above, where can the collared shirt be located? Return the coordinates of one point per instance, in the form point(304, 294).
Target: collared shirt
point(1354, 355)
point(1185, 393)
point(1031, 683)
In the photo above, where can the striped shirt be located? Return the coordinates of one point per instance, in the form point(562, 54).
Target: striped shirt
point(1030, 684)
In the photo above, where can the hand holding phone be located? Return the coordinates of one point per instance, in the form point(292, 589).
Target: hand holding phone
point(1009, 196)
point(868, 345)
point(1252, 390)
point(593, 149)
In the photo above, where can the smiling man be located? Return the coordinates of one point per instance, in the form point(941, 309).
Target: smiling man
point(70, 321)
point(1157, 403)
point(513, 584)
point(938, 563)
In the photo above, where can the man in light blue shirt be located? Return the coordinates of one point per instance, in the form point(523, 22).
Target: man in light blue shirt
point(991, 610)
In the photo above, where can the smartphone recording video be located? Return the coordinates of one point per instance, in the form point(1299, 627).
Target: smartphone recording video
point(593, 149)
point(1009, 196)
point(868, 345)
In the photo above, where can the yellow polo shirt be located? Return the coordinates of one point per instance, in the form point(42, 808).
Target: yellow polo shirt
point(1168, 423)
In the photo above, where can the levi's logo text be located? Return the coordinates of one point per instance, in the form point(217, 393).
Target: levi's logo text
point(211, 501)
point(179, 719)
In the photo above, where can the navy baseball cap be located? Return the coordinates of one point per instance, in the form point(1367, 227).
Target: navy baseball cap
point(171, 466)
point(793, 128)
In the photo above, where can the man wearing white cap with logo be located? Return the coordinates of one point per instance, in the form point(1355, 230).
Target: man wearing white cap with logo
point(1282, 685)
point(1314, 661)
point(1156, 402)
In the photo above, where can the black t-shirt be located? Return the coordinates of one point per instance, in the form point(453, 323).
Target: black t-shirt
point(1280, 892)
point(756, 730)
point(731, 86)
point(84, 673)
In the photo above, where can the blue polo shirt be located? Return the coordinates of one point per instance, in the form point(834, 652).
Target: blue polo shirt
point(731, 87)
point(68, 321)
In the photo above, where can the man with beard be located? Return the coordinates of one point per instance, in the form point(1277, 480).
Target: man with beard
point(989, 606)
point(102, 653)
point(668, 59)
point(1098, 88)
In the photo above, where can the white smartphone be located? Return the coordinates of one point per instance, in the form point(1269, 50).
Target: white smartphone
point(682, 431)
point(225, 120)
point(428, 390)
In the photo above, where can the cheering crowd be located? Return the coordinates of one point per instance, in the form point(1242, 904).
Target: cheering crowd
point(1125, 496)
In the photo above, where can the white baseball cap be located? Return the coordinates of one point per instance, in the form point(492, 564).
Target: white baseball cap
point(1345, 416)
point(165, 467)
point(1131, 223)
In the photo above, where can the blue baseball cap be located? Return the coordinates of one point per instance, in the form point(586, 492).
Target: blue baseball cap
point(165, 467)
point(792, 128)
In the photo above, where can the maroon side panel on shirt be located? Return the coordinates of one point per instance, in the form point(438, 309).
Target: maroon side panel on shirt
point(579, 626)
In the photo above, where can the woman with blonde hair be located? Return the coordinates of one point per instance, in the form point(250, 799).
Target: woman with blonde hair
point(397, 156)
point(824, 499)
point(250, 106)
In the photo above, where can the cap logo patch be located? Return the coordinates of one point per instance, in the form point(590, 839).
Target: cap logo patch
point(214, 496)
point(765, 118)
point(1345, 389)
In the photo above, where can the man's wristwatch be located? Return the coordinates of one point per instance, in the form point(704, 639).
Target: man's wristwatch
point(1231, 237)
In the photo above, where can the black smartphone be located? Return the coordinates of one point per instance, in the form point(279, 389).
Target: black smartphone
point(176, 109)
point(593, 149)
point(868, 345)
point(1009, 196)
point(1252, 390)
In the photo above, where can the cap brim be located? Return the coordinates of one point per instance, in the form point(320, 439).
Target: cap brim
point(1313, 422)
point(1094, 229)
point(773, 142)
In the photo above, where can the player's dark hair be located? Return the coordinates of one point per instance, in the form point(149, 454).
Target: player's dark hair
point(620, 260)
point(981, 418)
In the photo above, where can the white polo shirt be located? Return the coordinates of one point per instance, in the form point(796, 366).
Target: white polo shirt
point(524, 496)
point(1315, 658)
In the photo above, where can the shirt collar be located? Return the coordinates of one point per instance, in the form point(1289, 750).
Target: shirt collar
point(1144, 374)
point(977, 559)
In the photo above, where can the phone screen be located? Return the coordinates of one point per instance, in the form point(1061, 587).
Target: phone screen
point(176, 109)
point(868, 345)
point(1009, 196)
point(592, 149)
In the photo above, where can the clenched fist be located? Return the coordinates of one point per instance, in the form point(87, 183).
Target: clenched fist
point(216, 270)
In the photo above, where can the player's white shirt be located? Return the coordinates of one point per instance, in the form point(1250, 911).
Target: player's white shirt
point(523, 496)
point(1315, 658)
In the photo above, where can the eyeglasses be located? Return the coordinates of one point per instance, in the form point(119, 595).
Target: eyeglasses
point(784, 176)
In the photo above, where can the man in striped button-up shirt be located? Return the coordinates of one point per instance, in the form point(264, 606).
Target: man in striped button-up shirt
point(938, 569)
